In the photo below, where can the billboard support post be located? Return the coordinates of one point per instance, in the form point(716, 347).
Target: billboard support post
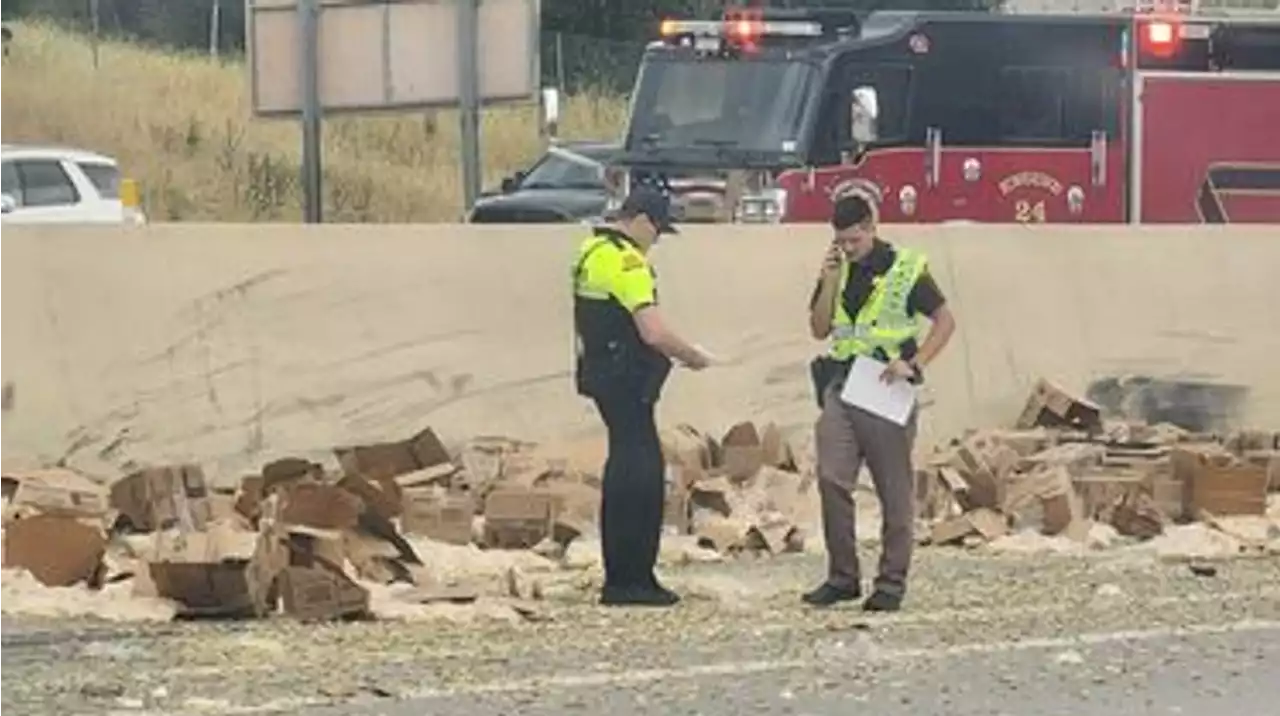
point(469, 98)
point(312, 182)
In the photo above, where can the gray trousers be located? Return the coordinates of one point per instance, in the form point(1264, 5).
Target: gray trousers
point(846, 437)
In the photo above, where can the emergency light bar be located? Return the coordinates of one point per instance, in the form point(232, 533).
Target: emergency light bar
point(743, 28)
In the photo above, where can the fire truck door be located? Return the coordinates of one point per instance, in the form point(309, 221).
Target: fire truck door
point(1228, 171)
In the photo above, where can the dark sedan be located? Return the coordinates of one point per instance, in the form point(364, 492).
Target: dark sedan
point(568, 183)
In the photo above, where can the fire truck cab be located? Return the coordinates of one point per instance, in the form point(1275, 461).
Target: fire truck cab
point(766, 114)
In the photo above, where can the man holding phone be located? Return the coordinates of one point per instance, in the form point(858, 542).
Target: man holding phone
point(869, 302)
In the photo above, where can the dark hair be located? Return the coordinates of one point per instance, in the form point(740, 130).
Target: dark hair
point(850, 210)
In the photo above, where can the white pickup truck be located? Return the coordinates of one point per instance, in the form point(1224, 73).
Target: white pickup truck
point(63, 185)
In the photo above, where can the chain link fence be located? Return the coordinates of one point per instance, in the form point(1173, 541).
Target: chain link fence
point(575, 63)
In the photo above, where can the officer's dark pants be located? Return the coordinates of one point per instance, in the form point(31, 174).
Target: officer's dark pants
point(633, 491)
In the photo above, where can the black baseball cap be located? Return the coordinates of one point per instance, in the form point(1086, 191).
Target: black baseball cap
point(653, 203)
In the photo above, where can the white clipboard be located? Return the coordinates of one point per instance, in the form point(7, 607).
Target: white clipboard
point(864, 389)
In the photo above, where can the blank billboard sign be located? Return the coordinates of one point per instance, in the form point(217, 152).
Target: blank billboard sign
point(390, 54)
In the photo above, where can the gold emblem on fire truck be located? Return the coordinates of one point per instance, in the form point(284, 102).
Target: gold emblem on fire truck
point(866, 187)
point(1032, 180)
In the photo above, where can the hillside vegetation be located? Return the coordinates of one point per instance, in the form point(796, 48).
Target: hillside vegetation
point(181, 125)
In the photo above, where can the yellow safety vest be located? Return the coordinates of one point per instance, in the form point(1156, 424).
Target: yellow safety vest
point(883, 321)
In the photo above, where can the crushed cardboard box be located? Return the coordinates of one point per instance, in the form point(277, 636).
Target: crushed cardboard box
point(296, 540)
point(55, 523)
point(222, 571)
point(1062, 466)
point(158, 498)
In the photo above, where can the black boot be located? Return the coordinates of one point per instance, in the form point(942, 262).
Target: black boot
point(828, 594)
point(638, 596)
point(882, 602)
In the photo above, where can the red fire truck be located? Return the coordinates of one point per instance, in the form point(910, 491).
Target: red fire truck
point(1135, 116)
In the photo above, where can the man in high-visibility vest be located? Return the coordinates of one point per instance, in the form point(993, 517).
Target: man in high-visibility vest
point(870, 302)
point(624, 354)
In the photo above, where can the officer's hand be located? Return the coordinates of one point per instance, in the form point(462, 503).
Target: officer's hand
point(897, 370)
point(832, 261)
point(700, 359)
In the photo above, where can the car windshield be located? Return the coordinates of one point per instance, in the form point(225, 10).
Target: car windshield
point(753, 105)
point(564, 170)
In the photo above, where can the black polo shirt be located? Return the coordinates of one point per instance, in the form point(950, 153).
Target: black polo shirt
point(925, 296)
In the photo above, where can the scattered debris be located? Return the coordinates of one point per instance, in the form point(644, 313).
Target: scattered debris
point(409, 527)
point(1062, 468)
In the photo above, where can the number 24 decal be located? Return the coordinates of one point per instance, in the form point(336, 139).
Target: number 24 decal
point(1024, 212)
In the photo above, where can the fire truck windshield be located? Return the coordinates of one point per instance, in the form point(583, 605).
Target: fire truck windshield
point(714, 111)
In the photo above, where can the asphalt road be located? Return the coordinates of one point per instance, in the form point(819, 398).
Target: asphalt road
point(1189, 674)
point(980, 635)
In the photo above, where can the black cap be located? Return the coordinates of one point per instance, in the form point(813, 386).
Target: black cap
point(653, 203)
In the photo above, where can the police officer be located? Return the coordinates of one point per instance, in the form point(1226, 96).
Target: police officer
point(870, 301)
point(624, 354)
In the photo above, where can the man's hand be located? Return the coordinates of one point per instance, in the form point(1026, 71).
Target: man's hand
point(897, 370)
point(832, 262)
point(699, 360)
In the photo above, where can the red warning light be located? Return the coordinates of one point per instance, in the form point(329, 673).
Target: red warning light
point(744, 26)
point(1161, 38)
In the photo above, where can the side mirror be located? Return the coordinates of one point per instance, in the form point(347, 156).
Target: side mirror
point(511, 183)
point(550, 110)
point(864, 110)
point(7, 203)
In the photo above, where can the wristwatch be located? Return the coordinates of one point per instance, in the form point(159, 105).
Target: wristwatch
point(918, 374)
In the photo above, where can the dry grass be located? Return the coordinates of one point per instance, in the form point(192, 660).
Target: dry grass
point(181, 124)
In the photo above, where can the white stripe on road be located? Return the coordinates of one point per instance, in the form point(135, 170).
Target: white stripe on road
point(743, 668)
point(936, 616)
point(1087, 639)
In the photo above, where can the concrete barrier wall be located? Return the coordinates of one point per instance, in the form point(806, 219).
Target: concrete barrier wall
point(237, 344)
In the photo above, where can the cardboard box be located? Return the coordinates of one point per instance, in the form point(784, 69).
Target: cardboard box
point(677, 506)
point(688, 448)
point(219, 572)
point(371, 471)
point(157, 498)
point(320, 506)
point(373, 559)
point(1268, 460)
point(1100, 494)
point(321, 592)
point(382, 496)
point(777, 450)
point(1051, 406)
point(576, 509)
point(55, 491)
point(984, 488)
point(314, 585)
point(249, 497)
point(1169, 496)
point(1234, 490)
point(518, 518)
point(1138, 516)
point(438, 516)
point(389, 459)
point(58, 550)
point(741, 453)
point(288, 470)
point(983, 522)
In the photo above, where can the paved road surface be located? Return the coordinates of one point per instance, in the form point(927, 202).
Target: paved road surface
point(1200, 673)
point(982, 635)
